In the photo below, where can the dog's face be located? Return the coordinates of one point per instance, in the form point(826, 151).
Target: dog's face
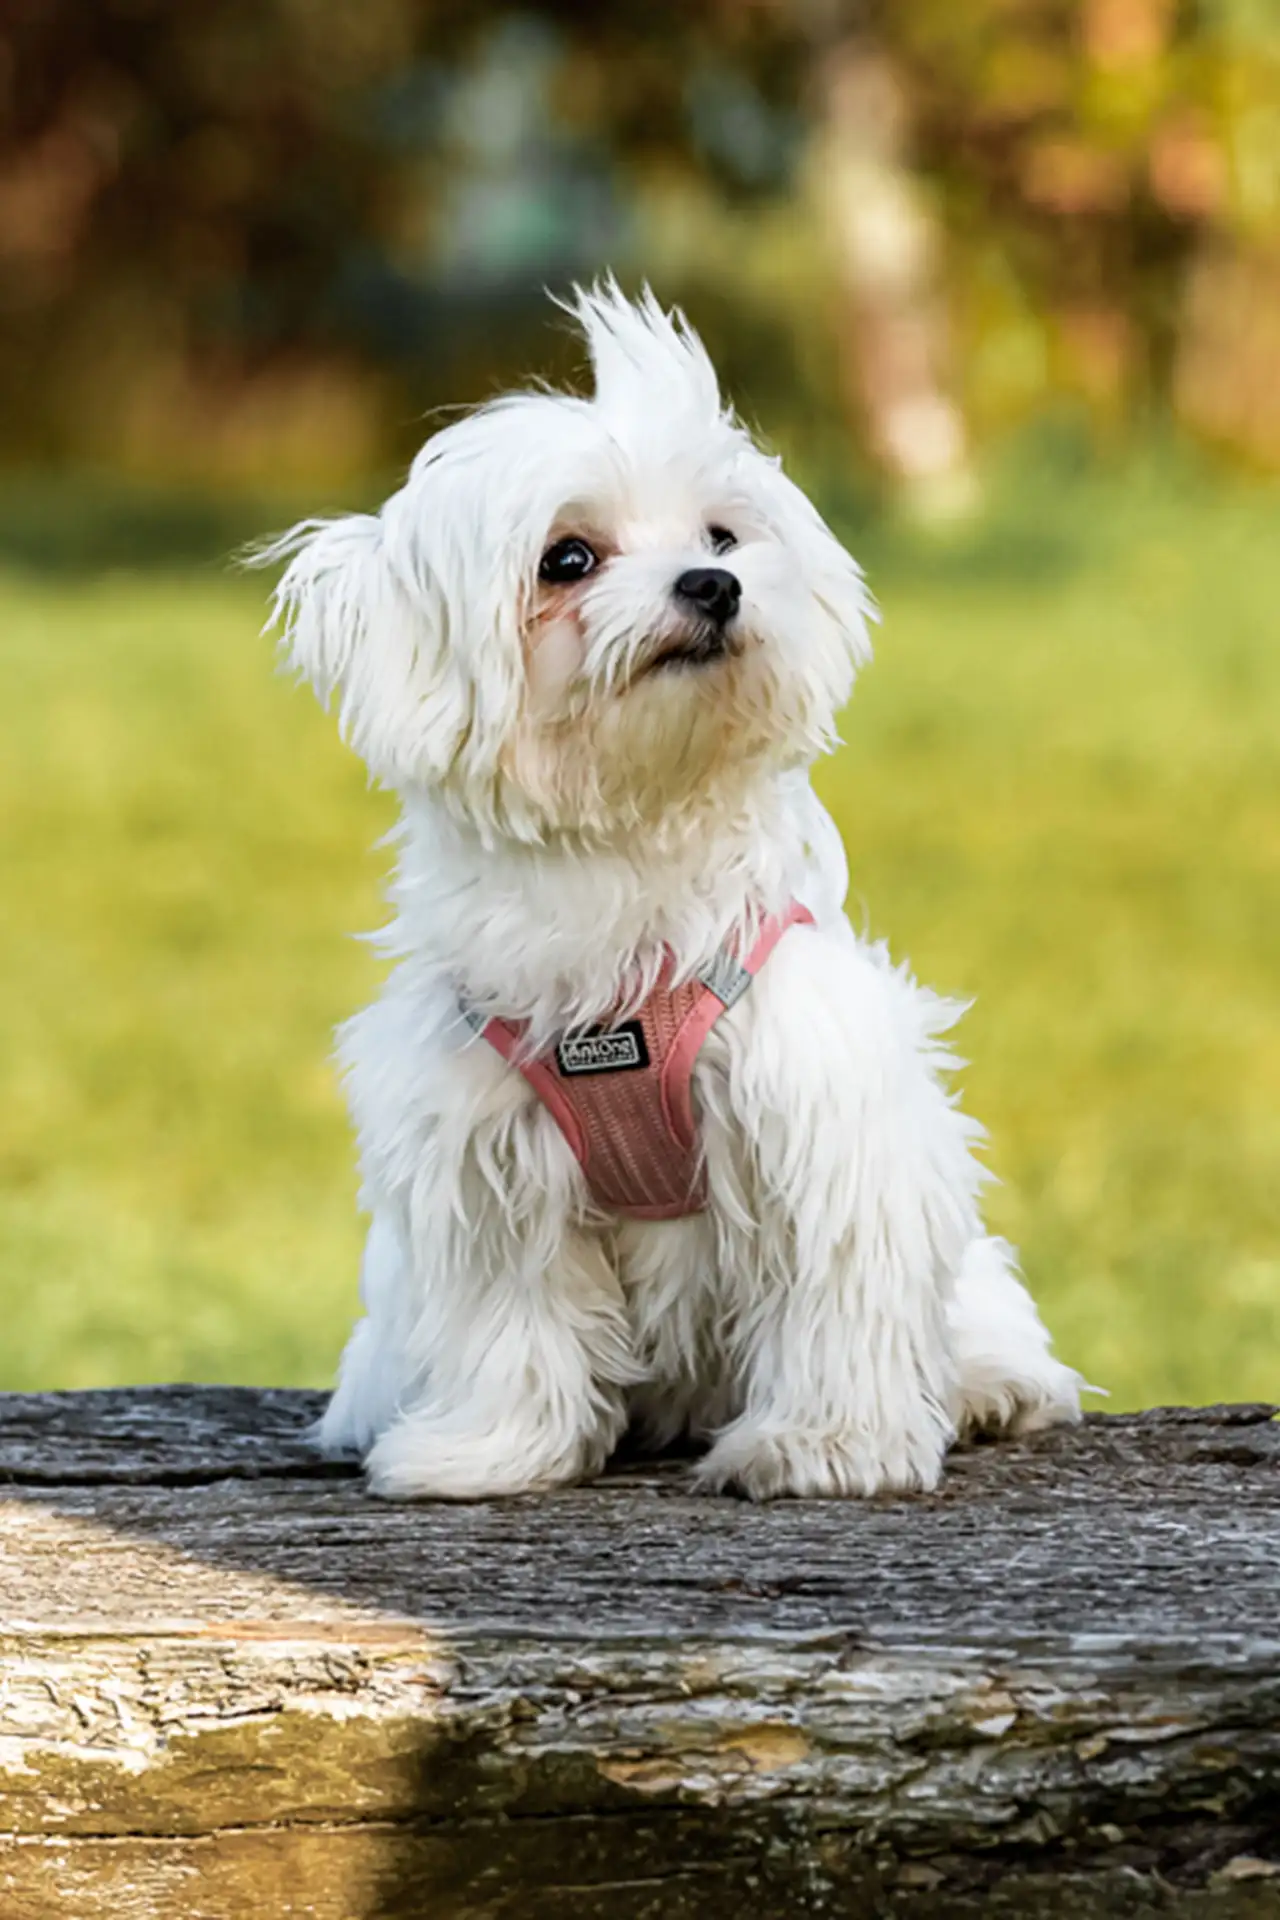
point(584, 617)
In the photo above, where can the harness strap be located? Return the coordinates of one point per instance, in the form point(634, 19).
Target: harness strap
point(622, 1095)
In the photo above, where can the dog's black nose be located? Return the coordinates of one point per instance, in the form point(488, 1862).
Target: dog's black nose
point(714, 591)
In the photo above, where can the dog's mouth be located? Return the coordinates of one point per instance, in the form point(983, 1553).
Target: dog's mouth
point(700, 646)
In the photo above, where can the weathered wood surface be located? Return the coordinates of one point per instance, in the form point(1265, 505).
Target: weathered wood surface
point(231, 1685)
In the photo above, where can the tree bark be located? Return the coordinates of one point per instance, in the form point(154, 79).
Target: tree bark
point(232, 1685)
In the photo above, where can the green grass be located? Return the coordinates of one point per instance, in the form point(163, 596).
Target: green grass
point(1061, 795)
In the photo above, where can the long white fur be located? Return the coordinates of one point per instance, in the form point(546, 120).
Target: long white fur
point(837, 1315)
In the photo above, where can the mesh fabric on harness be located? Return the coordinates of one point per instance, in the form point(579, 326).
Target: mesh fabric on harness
point(622, 1095)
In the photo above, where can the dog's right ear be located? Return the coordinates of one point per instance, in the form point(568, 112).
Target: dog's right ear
point(352, 627)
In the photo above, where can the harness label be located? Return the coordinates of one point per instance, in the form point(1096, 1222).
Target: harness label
point(600, 1050)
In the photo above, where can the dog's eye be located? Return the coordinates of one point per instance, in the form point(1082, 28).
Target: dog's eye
point(566, 560)
point(721, 539)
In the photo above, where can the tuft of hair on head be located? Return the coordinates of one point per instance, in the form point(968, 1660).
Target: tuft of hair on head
point(642, 353)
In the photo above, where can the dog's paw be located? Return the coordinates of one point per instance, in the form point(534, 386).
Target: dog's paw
point(1048, 1396)
point(841, 1463)
point(421, 1460)
point(1053, 1403)
point(338, 1434)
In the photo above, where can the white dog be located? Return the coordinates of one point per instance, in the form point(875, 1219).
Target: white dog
point(622, 1167)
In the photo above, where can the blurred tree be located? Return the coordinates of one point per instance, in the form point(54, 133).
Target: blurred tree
point(216, 218)
point(893, 336)
point(178, 189)
point(1106, 238)
point(252, 236)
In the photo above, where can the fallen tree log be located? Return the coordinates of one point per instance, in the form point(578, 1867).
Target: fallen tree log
point(232, 1685)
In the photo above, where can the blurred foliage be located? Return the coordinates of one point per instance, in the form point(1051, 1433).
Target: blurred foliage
point(254, 238)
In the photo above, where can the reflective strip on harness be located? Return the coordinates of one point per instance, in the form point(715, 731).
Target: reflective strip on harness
point(623, 1095)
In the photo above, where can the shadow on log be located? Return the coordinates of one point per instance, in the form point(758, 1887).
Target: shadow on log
point(231, 1685)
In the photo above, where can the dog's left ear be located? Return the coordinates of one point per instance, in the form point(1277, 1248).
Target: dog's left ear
point(353, 625)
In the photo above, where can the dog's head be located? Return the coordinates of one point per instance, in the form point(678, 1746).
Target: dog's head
point(583, 616)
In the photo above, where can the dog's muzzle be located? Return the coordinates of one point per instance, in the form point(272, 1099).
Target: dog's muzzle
point(712, 595)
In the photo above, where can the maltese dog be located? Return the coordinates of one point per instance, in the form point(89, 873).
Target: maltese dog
point(649, 1137)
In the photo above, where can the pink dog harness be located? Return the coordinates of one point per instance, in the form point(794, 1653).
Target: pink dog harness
point(622, 1095)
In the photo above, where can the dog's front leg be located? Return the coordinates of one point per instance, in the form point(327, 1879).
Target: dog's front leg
point(495, 1352)
point(857, 1171)
point(520, 1341)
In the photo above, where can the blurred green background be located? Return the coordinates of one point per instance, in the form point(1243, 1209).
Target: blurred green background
point(1002, 281)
